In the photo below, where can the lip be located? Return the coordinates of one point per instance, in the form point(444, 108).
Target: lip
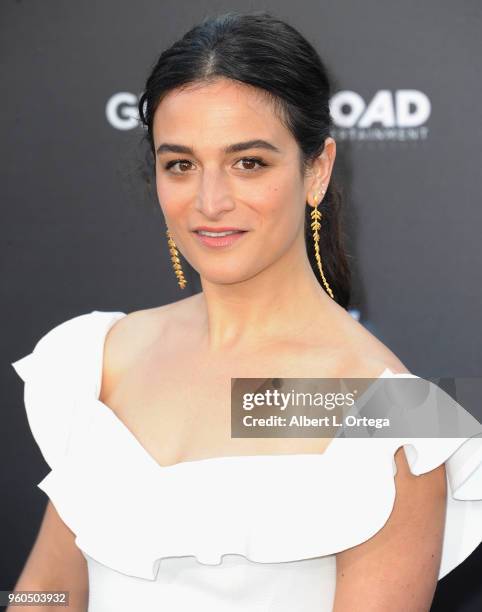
point(220, 241)
point(205, 228)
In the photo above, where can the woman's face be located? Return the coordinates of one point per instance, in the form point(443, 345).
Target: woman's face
point(206, 176)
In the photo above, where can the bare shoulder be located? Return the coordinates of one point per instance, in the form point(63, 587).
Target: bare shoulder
point(133, 333)
point(361, 354)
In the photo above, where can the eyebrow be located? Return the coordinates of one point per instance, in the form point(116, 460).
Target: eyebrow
point(232, 148)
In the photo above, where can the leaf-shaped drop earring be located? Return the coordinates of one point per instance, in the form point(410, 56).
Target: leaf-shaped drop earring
point(315, 226)
point(176, 263)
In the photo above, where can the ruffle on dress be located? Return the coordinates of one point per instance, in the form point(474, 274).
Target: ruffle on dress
point(129, 513)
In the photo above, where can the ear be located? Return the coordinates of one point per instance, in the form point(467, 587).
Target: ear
point(319, 174)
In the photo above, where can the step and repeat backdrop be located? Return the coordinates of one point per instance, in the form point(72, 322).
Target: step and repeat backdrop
point(82, 228)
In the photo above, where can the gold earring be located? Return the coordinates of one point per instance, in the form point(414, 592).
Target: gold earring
point(315, 226)
point(176, 263)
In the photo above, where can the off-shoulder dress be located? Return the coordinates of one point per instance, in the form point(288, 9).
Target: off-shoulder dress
point(254, 533)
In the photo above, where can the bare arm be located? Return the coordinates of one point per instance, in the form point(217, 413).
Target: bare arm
point(397, 569)
point(54, 563)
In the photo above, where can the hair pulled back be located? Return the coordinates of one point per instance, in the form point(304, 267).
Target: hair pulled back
point(262, 51)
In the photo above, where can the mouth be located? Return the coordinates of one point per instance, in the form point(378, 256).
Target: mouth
point(219, 239)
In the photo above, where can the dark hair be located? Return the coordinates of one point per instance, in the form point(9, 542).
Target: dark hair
point(260, 50)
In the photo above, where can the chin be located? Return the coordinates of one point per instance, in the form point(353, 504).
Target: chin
point(225, 277)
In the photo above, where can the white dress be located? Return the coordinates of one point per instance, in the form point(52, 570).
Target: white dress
point(225, 534)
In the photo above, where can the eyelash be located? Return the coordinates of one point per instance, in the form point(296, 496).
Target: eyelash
point(258, 160)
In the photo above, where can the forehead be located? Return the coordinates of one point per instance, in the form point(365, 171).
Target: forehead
point(214, 112)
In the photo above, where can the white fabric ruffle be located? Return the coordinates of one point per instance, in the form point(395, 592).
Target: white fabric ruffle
point(129, 513)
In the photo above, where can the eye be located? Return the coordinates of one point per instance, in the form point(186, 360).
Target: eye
point(253, 160)
point(174, 162)
point(185, 162)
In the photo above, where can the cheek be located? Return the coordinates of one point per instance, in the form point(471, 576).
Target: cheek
point(170, 195)
point(281, 206)
point(160, 190)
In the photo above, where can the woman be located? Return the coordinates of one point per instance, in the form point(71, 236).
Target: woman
point(152, 504)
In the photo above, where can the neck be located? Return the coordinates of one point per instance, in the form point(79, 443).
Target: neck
point(281, 301)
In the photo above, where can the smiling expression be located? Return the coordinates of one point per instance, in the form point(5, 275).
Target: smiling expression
point(224, 159)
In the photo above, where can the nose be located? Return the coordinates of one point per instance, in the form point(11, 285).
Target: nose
point(214, 195)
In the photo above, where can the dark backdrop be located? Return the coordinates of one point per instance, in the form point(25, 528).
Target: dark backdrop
point(81, 231)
